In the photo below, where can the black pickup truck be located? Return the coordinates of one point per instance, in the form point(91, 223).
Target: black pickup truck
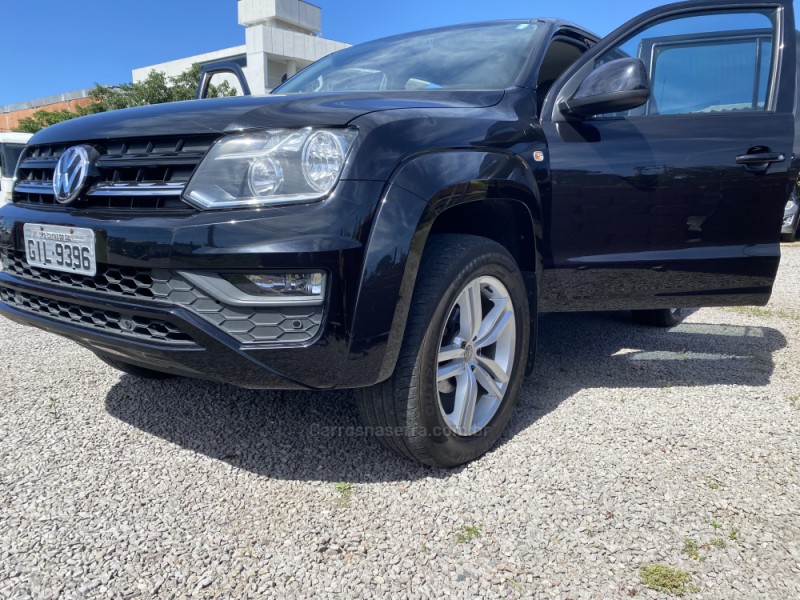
point(395, 217)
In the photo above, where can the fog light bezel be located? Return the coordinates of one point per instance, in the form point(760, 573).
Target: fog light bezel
point(246, 283)
point(220, 287)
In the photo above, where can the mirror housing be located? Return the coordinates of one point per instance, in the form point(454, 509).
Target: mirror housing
point(616, 86)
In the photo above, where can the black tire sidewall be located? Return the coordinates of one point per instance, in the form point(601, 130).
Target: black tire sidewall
point(659, 317)
point(445, 445)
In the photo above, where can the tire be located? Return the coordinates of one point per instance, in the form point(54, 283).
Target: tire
point(417, 415)
point(788, 238)
point(136, 371)
point(662, 317)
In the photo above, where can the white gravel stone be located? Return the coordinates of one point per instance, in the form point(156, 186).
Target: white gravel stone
point(627, 442)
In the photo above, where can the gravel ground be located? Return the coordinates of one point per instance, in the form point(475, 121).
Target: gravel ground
point(630, 446)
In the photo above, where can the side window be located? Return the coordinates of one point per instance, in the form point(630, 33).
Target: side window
point(560, 54)
point(711, 63)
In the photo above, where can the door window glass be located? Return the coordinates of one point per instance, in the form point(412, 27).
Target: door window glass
point(710, 63)
point(560, 54)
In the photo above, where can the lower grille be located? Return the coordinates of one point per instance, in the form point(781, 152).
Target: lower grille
point(118, 281)
point(249, 325)
point(108, 321)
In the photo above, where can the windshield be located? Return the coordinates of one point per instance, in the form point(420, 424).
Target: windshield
point(9, 154)
point(476, 57)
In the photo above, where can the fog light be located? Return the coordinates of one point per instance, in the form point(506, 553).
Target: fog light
point(281, 285)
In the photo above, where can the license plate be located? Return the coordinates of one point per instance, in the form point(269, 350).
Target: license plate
point(68, 249)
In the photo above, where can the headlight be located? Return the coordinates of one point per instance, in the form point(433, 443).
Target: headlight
point(276, 166)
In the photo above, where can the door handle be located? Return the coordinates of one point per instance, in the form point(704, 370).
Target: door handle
point(760, 158)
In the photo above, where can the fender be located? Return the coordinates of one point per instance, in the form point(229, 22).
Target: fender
point(422, 188)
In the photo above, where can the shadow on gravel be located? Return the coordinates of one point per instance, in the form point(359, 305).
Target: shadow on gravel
point(315, 435)
point(607, 350)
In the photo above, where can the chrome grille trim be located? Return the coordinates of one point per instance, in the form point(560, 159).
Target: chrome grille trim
point(137, 189)
point(35, 187)
point(130, 175)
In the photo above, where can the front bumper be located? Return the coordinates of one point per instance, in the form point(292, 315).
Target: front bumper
point(140, 310)
point(202, 351)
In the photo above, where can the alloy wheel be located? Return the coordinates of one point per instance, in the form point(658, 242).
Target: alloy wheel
point(476, 355)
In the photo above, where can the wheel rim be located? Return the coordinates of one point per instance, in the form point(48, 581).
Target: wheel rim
point(476, 355)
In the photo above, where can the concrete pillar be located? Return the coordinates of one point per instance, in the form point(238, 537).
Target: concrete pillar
point(257, 71)
point(296, 15)
point(291, 67)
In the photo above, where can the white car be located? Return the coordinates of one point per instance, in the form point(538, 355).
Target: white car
point(11, 145)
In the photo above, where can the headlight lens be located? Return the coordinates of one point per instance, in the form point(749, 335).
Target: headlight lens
point(265, 177)
point(323, 159)
point(275, 166)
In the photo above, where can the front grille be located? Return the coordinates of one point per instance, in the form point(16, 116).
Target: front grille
point(131, 175)
point(108, 321)
point(253, 325)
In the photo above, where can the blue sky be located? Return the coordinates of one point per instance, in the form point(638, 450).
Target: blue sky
point(51, 46)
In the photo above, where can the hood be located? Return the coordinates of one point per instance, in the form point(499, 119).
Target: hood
point(220, 115)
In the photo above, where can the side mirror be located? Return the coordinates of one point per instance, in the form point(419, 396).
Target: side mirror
point(616, 86)
point(208, 71)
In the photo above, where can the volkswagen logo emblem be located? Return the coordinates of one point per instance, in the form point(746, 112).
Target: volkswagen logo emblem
point(71, 172)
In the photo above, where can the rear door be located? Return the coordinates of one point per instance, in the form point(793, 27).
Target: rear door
point(678, 202)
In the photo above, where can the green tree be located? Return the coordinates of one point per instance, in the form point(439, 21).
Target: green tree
point(157, 88)
point(44, 118)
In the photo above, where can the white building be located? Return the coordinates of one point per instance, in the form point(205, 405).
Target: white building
point(281, 37)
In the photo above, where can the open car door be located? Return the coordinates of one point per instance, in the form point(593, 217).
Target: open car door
point(671, 145)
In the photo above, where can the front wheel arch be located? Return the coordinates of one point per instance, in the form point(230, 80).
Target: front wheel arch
point(504, 220)
point(424, 188)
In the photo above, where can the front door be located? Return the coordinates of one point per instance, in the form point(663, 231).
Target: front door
point(678, 202)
